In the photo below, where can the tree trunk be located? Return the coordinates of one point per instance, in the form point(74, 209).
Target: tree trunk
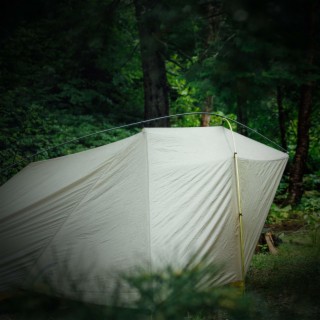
point(300, 159)
point(270, 243)
point(205, 118)
point(213, 23)
point(304, 120)
point(156, 101)
point(282, 118)
point(242, 114)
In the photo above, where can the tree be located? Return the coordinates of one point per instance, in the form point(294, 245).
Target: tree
point(282, 117)
point(286, 40)
point(213, 16)
point(156, 101)
point(305, 107)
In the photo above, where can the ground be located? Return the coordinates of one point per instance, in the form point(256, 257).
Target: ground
point(288, 282)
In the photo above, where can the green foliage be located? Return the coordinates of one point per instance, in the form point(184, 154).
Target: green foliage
point(263, 248)
point(306, 214)
point(83, 56)
point(278, 214)
point(80, 57)
point(69, 71)
point(164, 294)
point(310, 208)
point(183, 97)
point(172, 294)
point(36, 131)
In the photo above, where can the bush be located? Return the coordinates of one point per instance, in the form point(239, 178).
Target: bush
point(165, 294)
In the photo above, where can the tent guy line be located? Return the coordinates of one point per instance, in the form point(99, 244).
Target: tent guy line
point(137, 124)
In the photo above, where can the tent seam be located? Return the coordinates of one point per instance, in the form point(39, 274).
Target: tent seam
point(148, 202)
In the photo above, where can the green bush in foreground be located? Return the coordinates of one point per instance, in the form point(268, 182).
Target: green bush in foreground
point(171, 294)
point(165, 294)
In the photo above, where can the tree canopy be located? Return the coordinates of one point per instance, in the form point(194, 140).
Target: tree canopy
point(70, 68)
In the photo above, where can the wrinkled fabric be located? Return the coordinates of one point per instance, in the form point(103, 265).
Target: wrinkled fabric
point(72, 225)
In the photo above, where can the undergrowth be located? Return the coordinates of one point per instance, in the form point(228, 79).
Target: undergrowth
point(165, 294)
point(288, 282)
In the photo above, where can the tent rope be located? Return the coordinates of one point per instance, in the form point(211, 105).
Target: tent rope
point(26, 158)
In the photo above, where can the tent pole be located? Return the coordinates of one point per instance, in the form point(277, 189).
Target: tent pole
point(235, 156)
point(240, 220)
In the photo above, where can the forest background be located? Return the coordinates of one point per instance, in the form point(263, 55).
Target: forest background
point(70, 68)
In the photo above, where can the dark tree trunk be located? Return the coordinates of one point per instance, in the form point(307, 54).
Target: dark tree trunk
point(300, 159)
point(205, 118)
point(282, 118)
point(242, 88)
point(242, 114)
point(156, 101)
point(213, 23)
point(304, 120)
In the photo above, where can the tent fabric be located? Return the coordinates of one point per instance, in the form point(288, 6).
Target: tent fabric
point(163, 196)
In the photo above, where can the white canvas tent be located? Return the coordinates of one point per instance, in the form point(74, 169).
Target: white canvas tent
point(156, 198)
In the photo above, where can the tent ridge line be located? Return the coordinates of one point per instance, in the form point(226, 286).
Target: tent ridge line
point(148, 199)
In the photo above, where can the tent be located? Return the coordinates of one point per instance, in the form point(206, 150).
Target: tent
point(159, 197)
